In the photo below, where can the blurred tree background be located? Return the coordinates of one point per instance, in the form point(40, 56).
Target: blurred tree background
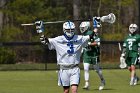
point(15, 12)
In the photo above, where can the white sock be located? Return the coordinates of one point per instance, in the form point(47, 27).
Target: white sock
point(132, 78)
point(87, 83)
point(86, 75)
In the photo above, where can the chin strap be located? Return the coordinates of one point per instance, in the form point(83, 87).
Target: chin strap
point(68, 38)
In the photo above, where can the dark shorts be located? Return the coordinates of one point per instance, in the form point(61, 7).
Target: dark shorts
point(131, 61)
point(92, 60)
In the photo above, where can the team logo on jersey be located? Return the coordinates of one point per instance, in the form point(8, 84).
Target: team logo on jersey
point(131, 40)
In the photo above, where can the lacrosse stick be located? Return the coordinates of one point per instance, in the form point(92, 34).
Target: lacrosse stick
point(110, 18)
point(44, 23)
point(122, 59)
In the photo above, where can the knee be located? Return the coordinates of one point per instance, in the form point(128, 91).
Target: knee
point(133, 67)
point(74, 88)
point(86, 69)
point(74, 91)
point(66, 90)
point(129, 68)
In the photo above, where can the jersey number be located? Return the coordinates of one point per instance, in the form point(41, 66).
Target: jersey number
point(71, 50)
point(130, 45)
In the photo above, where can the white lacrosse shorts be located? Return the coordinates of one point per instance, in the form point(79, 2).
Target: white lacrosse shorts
point(68, 77)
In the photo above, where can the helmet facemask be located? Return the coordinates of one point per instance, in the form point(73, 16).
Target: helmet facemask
point(84, 26)
point(83, 29)
point(69, 29)
point(69, 32)
point(133, 28)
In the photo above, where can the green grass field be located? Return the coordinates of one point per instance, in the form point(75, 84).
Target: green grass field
point(117, 81)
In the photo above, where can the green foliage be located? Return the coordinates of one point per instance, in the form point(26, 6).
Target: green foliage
point(26, 10)
point(31, 10)
point(113, 36)
point(11, 34)
point(122, 2)
point(127, 2)
point(108, 2)
point(7, 56)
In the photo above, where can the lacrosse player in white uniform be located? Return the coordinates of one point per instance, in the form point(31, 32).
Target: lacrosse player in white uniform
point(68, 49)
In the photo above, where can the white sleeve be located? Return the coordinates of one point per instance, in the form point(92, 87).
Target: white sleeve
point(51, 43)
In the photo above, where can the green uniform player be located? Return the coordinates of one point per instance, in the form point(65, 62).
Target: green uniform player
point(131, 44)
point(131, 52)
point(91, 54)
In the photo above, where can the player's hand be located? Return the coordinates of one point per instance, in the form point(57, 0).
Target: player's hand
point(96, 22)
point(122, 55)
point(43, 39)
point(39, 26)
point(89, 43)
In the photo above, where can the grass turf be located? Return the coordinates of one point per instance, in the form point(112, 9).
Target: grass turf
point(117, 81)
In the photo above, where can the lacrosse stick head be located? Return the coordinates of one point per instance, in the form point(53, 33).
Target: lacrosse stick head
point(110, 18)
point(122, 63)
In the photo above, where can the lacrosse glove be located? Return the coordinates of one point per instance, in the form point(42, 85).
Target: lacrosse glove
point(96, 22)
point(44, 40)
point(39, 26)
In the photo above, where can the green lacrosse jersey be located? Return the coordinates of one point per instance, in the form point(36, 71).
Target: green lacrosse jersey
point(91, 51)
point(131, 43)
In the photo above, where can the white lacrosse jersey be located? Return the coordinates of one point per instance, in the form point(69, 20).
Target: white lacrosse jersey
point(68, 51)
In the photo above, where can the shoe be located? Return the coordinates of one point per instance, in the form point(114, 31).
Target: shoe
point(136, 80)
point(101, 87)
point(86, 87)
point(131, 83)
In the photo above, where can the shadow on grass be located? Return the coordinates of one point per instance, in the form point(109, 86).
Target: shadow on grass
point(106, 89)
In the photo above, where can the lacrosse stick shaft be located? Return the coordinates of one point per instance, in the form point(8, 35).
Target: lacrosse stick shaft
point(53, 22)
point(28, 24)
point(109, 18)
point(120, 48)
